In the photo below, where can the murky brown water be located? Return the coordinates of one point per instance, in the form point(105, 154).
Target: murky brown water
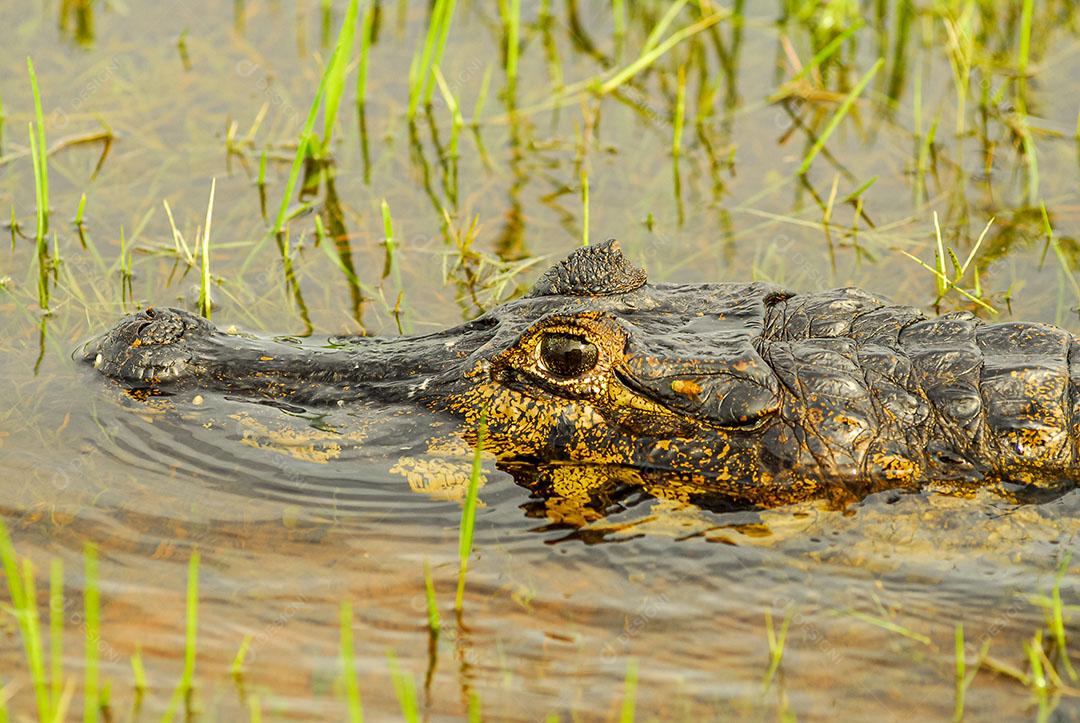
point(291, 520)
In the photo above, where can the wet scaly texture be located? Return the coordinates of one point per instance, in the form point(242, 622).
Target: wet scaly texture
point(721, 395)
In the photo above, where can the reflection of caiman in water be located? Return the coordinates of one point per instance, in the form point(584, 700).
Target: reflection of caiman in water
point(729, 394)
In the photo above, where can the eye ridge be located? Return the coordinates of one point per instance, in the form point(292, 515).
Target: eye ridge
point(568, 355)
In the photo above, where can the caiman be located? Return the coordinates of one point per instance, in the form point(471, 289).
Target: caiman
point(748, 391)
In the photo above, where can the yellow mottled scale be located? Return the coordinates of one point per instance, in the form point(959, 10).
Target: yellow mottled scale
point(831, 400)
point(1024, 385)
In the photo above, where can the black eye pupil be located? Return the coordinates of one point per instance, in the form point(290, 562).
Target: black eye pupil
point(566, 355)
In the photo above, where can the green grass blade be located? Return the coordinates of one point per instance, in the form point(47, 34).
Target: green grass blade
point(205, 305)
point(255, 709)
point(405, 689)
point(335, 83)
point(584, 206)
point(138, 673)
point(661, 27)
point(629, 701)
point(56, 631)
point(348, 664)
point(680, 113)
point(365, 51)
point(303, 145)
point(1024, 51)
point(842, 111)
point(485, 84)
point(1057, 610)
point(828, 51)
point(92, 616)
point(420, 70)
point(434, 624)
point(475, 711)
point(468, 513)
point(183, 692)
point(513, 41)
point(960, 672)
point(11, 569)
point(32, 636)
point(42, 162)
point(436, 60)
point(649, 57)
point(236, 669)
point(618, 18)
point(192, 625)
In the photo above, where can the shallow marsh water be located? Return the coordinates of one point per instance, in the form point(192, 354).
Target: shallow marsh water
point(294, 514)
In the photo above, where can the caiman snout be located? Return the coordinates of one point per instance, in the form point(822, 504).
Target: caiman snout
point(153, 345)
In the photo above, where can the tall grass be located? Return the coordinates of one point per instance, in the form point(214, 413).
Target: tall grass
point(1023, 52)
point(205, 303)
point(584, 206)
point(331, 84)
point(512, 22)
point(40, 242)
point(680, 113)
point(365, 51)
point(429, 55)
point(335, 82)
point(40, 158)
point(457, 123)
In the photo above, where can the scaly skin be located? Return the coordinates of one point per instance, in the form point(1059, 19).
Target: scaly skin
point(746, 392)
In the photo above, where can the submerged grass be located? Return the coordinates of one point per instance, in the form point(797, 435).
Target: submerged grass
point(348, 665)
point(777, 641)
point(92, 615)
point(405, 689)
point(468, 512)
point(434, 625)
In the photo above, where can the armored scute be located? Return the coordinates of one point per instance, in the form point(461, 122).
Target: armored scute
point(747, 392)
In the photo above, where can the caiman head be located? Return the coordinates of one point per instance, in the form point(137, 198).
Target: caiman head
point(593, 367)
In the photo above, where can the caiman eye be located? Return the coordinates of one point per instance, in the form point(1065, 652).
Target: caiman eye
point(566, 355)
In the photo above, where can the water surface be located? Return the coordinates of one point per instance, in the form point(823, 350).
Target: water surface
point(293, 514)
